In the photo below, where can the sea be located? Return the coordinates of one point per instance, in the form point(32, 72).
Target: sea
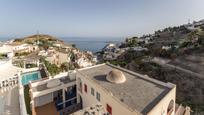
point(93, 44)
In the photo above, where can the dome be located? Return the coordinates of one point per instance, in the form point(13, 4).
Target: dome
point(116, 76)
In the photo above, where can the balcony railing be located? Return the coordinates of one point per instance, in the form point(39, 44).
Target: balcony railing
point(71, 109)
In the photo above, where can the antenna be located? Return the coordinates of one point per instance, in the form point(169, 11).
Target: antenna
point(37, 34)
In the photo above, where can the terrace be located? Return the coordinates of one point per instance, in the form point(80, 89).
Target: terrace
point(48, 109)
point(58, 94)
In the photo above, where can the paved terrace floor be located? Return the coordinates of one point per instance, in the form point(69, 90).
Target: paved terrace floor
point(48, 109)
point(9, 102)
point(138, 93)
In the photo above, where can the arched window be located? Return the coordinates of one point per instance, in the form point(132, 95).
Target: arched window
point(170, 107)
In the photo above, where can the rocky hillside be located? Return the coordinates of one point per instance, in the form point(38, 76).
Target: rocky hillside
point(182, 50)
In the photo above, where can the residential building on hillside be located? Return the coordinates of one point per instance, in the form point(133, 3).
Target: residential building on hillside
point(54, 96)
point(121, 91)
point(103, 89)
point(18, 48)
point(57, 58)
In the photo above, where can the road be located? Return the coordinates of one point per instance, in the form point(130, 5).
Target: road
point(165, 63)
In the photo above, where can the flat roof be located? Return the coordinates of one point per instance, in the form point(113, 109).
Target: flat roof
point(43, 86)
point(7, 70)
point(138, 92)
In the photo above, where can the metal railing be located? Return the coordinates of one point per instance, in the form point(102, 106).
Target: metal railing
point(71, 109)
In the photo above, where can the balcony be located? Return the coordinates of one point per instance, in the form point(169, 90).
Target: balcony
point(71, 109)
point(48, 109)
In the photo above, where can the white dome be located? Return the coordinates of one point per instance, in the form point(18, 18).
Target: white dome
point(116, 76)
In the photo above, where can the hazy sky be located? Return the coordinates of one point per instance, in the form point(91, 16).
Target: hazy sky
point(90, 18)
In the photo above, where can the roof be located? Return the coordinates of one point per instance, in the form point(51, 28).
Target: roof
point(63, 79)
point(138, 92)
point(7, 70)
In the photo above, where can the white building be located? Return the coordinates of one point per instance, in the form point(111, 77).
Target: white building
point(102, 89)
point(111, 47)
point(20, 47)
point(25, 48)
point(84, 62)
point(6, 49)
point(55, 95)
point(166, 47)
point(123, 92)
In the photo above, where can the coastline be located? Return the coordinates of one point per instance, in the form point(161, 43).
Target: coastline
point(84, 43)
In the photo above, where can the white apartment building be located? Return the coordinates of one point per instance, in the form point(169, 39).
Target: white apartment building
point(20, 47)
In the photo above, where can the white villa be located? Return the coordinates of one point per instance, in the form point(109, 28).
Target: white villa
point(103, 90)
point(18, 47)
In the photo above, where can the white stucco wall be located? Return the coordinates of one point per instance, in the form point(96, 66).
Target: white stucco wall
point(42, 100)
point(162, 106)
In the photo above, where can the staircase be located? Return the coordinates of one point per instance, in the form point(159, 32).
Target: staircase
point(181, 110)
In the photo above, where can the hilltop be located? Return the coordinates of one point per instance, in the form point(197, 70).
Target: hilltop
point(37, 37)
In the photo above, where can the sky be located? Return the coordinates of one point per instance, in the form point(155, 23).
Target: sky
point(94, 18)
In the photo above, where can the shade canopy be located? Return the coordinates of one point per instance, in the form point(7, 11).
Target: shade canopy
point(53, 83)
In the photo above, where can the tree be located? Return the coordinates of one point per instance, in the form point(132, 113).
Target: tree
point(202, 27)
point(72, 57)
point(45, 46)
point(64, 66)
point(53, 69)
point(73, 45)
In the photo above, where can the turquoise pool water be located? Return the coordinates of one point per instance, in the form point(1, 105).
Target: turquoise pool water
point(31, 76)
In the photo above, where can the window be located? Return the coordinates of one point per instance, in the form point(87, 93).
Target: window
point(170, 107)
point(92, 91)
point(109, 109)
point(98, 97)
point(85, 88)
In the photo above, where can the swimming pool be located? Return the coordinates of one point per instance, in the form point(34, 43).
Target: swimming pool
point(31, 76)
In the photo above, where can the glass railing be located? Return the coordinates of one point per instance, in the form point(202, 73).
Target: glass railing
point(70, 95)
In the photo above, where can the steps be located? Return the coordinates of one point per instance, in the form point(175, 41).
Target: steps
point(181, 110)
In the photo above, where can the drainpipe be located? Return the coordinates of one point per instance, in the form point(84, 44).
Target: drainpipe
point(63, 93)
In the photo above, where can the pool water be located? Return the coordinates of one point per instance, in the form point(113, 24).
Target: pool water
point(31, 76)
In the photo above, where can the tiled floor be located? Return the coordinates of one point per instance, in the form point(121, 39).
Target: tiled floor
point(10, 102)
point(48, 109)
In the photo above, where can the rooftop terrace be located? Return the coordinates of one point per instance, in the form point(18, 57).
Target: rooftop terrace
point(53, 84)
point(138, 92)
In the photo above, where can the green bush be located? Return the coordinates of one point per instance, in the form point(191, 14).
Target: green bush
point(51, 68)
point(22, 54)
point(27, 99)
point(120, 63)
point(64, 66)
point(3, 56)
